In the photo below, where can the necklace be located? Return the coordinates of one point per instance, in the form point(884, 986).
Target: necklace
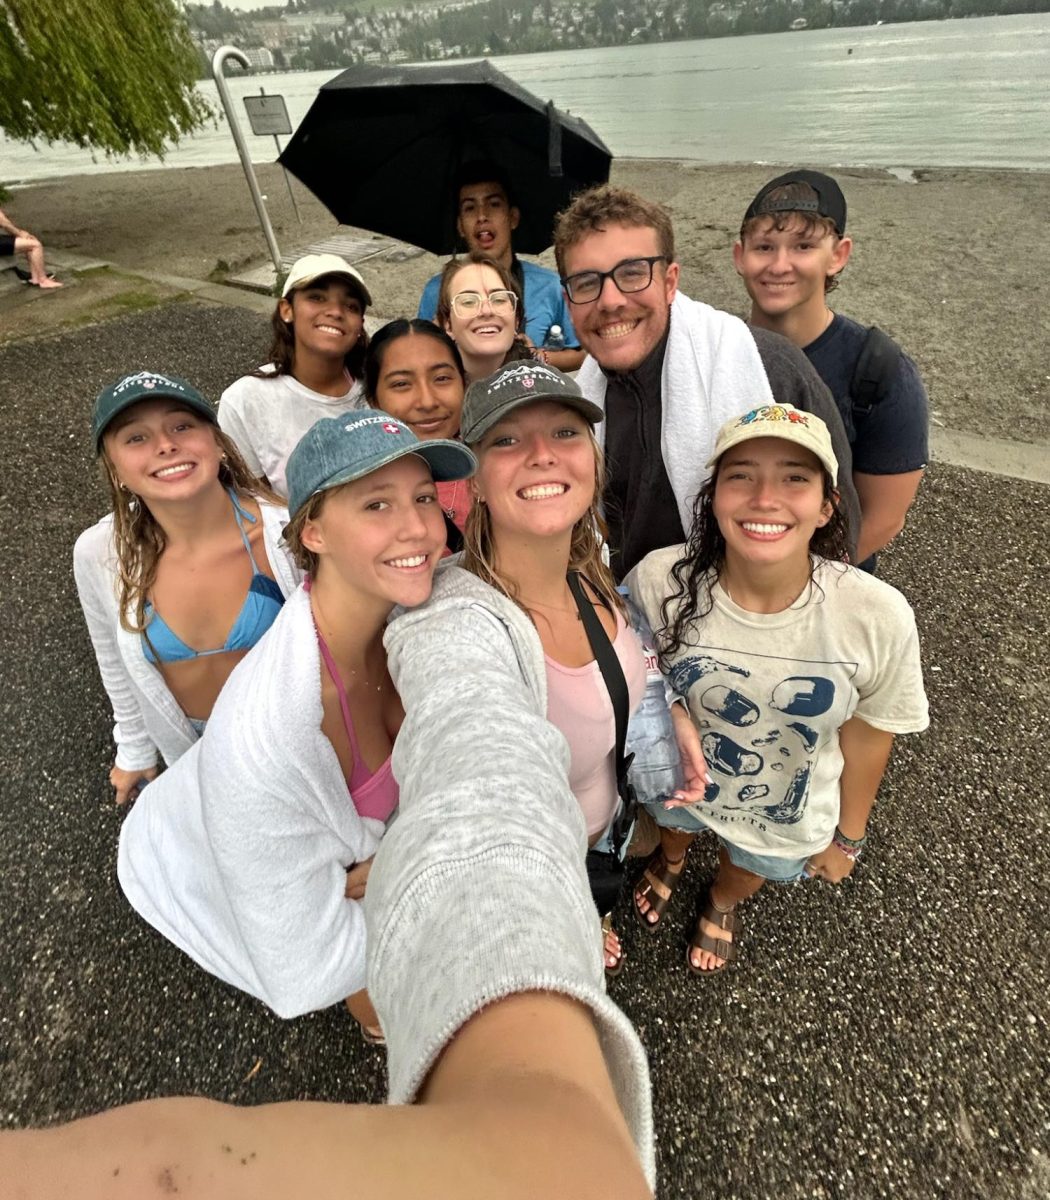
point(567, 612)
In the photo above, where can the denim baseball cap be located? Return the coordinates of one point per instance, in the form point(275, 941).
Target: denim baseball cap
point(779, 196)
point(489, 400)
point(783, 421)
point(338, 450)
point(144, 385)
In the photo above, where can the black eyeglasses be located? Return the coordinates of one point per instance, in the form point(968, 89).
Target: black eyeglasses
point(631, 275)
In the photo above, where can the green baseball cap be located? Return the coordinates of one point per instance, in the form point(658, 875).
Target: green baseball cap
point(522, 382)
point(144, 385)
point(337, 450)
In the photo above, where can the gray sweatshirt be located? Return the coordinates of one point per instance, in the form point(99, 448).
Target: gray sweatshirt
point(479, 889)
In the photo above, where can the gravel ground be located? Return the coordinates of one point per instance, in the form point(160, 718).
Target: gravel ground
point(886, 1038)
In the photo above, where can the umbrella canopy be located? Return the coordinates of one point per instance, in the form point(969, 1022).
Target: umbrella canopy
point(381, 148)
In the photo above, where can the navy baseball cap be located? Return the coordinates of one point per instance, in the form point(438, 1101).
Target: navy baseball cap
point(144, 385)
point(778, 196)
point(338, 450)
point(522, 382)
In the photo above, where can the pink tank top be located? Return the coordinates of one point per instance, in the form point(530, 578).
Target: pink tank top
point(578, 704)
point(373, 795)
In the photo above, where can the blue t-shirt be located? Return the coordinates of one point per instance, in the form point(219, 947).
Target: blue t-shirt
point(544, 304)
point(892, 438)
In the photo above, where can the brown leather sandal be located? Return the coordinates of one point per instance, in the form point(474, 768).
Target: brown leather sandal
point(729, 922)
point(657, 886)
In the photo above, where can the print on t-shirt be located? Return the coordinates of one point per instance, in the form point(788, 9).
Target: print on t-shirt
point(767, 730)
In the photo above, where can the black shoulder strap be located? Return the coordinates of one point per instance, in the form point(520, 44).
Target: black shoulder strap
point(612, 673)
point(876, 367)
point(453, 538)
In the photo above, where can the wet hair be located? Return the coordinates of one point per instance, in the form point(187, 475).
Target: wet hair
point(696, 572)
point(482, 171)
point(794, 220)
point(394, 331)
point(598, 207)
point(282, 345)
point(448, 273)
point(306, 559)
point(140, 541)
point(589, 535)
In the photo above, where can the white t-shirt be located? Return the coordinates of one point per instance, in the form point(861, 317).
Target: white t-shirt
point(769, 693)
point(267, 417)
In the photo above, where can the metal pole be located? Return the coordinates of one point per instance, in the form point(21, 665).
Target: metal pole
point(284, 172)
point(218, 59)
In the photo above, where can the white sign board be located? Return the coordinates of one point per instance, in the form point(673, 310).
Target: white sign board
point(267, 115)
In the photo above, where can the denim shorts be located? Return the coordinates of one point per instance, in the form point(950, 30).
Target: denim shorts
point(771, 868)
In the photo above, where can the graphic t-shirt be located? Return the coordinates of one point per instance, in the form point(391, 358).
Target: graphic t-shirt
point(769, 692)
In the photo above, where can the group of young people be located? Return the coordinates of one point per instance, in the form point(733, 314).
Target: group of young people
point(385, 765)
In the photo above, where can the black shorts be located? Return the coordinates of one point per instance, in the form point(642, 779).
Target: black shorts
point(7, 244)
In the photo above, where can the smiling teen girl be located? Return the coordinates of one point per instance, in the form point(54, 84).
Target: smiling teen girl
point(315, 367)
point(534, 521)
point(480, 307)
point(183, 577)
point(798, 671)
point(414, 372)
point(252, 852)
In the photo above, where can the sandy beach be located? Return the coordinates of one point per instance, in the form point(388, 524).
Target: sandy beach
point(947, 264)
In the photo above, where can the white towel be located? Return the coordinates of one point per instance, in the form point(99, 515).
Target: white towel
point(238, 852)
point(712, 371)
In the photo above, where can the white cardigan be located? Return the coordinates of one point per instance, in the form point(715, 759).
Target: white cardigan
point(146, 716)
point(238, 852)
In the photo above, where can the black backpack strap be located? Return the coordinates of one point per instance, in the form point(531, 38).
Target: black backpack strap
point(612, 673)
point(875, 370)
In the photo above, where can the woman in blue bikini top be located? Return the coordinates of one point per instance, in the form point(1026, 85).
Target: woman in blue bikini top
point(188, 563)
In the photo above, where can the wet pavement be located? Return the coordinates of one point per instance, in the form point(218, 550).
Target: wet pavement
point(885, 1038)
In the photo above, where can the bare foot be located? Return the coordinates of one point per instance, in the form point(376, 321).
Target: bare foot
point(46, 284)
point(613, 952)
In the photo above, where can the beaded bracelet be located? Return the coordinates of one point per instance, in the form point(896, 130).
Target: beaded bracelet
point(851, 847)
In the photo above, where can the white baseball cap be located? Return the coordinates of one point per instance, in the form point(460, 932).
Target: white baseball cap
point(779, 421)
point(313, 266)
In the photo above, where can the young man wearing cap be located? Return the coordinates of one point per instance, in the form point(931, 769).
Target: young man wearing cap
point(486, 220)
point(315, 368)
point(668, 371)
point(792, 249)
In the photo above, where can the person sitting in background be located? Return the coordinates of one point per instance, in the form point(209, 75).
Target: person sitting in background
point(193, 544)
point(667, 370)
point(288, 793)
point(414, 372)
point(316, 362)
point(791, 251)
point(20, 241)
point(479, 307)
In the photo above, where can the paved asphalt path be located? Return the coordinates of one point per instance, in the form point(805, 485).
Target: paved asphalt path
point(886, 1038)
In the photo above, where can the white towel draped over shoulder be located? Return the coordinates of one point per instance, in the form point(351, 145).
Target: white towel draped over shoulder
point(712, 372)
point(238, 852)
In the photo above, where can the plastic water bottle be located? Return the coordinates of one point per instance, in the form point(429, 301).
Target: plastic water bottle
point(656, 771)
point(555, 338)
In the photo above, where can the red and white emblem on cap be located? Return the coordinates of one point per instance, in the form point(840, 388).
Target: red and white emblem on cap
point(390, 427)
point(149, 383)
point(528, 382)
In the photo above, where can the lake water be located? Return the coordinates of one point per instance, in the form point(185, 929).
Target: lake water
point(931, 93)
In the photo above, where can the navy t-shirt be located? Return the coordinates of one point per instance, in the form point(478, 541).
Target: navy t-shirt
point(892, 438)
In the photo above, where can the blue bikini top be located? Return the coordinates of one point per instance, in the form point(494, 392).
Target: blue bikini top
point(258, 613)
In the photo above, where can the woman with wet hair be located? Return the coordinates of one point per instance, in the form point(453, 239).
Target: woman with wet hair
point(480, 307)
point(185, 574)
point(314, 370)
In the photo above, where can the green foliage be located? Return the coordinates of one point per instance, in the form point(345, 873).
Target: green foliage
point(114, 75)
point(5, 195)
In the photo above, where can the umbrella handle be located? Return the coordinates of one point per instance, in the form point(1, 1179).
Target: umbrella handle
point(553, 142)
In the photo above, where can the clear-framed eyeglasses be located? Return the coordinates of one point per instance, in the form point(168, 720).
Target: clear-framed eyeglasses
point(630, 275)
point(469, 304)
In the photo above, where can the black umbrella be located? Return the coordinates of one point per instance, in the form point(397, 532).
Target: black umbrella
point(381, 147)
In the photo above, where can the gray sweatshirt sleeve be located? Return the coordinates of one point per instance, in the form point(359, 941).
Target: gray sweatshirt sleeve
point(479, 888)
point(794, 380)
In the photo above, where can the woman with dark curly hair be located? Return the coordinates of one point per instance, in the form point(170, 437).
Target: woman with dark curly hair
point(797, 668)
point(315, 367)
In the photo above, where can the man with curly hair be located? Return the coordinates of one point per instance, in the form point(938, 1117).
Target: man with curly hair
point(669, 371)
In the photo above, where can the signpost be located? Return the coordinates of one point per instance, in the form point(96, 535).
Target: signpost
point(269, 115)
